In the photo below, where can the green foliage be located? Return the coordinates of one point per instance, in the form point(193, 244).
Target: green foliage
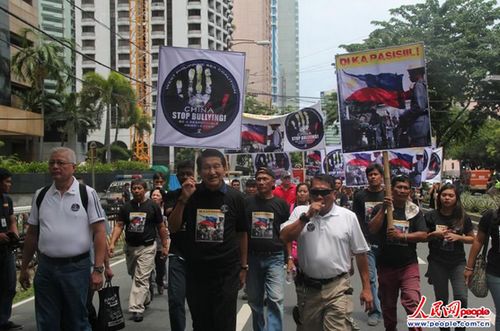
point(462, 47)
point(482, 150)
point(479, 204)
point(131, 165)
point(330, 107)
point(254, 106)
point(182, 153)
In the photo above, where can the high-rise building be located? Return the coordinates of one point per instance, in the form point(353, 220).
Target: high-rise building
point(19, 129)
point(288, 52)
point(103, 33)
point(252, 35)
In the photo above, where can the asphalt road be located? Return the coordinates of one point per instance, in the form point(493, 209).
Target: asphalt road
point(156, 316)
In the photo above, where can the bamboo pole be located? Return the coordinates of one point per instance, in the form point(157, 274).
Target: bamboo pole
point(388, 189)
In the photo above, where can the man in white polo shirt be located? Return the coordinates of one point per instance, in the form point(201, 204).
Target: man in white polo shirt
point(327, 237)
point(63, 227)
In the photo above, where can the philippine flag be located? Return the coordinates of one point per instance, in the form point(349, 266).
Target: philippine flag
point(401, 160)
point(254, 133)
point(383, 88)
point(358, 159)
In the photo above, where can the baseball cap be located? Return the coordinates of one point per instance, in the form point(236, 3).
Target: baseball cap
point(286, 174)
point(266, 171)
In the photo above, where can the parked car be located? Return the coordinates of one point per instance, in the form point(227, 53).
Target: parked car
point(112, 199)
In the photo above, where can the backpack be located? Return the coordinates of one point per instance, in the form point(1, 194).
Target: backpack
point(83, 196)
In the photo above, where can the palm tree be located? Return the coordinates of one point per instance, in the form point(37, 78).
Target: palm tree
point(34, 64)
point(114, 93)
point(73, 118)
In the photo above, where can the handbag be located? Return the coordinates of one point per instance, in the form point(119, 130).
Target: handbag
point(110, 317)
point(478, 285)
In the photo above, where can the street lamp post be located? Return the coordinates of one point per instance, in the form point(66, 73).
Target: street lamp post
point(235, 42)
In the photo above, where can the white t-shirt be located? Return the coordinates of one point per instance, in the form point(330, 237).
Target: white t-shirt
point(63, 222)
point(326, 243)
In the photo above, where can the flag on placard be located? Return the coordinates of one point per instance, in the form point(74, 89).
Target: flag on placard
point(360, 159)
point(401, 160)
point(254, 133)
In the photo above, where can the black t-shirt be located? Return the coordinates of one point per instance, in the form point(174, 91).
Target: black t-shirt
point(141, 221)
point(213, 219)
point(6, 211)
point(264, 218)
point(489, 225)
point(363, 203)
point(342, 200)
point(399, 253)
point(442, 251)
point(177, 239)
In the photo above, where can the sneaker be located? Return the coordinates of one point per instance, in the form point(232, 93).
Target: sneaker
point(373, 320)
point(138, 317)
point(10, 326)
point(160, 290)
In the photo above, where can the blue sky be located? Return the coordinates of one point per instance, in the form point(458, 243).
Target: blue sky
point(326, 24)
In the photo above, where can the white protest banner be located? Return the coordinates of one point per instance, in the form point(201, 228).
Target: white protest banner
point(304, 129)
point(200, 98)
point(333, 161)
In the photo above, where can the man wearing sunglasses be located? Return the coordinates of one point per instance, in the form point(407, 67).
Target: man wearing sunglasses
point(327, 236)
point(397, 263)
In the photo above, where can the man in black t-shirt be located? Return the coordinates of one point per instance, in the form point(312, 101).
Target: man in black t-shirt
point(176, 257)
point(342, 199)
point(8, 234)
point(215, 244)
point(397, 263)
point(363, 203)
point(266, 277)
point(141, 218)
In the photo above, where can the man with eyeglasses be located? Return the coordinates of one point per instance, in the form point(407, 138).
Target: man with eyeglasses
point(397, 263)
point(266, 277)
point(215, 243)
point(176, 255)
point(327, 236)
point(62, 229)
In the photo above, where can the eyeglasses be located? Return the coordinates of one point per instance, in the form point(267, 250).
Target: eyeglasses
point(320, 192)
point(58, 163)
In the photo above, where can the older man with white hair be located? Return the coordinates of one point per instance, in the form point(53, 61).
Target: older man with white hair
point(64, 218)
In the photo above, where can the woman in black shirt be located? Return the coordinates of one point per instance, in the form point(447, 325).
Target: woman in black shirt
point(449, 229)
point(488, 227)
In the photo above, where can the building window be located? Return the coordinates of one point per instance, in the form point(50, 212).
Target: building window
point(87, 15)
point(86, 44)
point(123, 43)
point(87, 70)
point(88, 29)
point(124, 70)
point(122, 57)
point(29, 2)
point(158, 42)
point(123, 14)
point(87, 2)
point(157, 13)
point(123, 28)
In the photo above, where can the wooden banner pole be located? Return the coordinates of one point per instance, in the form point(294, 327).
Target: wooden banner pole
point(388, 189)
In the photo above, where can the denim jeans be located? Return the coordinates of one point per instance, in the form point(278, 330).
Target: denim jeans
point(61, 295)
point(440, 275)
point(494, 287)
point(7, 284)
point(266, 277)
point(372, 269)
point(177, 292)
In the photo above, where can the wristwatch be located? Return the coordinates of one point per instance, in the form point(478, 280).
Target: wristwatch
point(99, 269)
point(303, 218)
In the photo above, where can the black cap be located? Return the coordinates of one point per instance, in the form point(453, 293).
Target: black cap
point(266, 171)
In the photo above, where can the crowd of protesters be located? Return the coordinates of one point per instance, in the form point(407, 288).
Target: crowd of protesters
point(218, 237)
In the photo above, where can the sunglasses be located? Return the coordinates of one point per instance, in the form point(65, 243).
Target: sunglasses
point(320, 192)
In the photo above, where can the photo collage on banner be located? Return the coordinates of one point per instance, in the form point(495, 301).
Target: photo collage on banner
point(278, 162)
point(383, 99)
point(260, 134)
point(200, 98)
point(419, 164)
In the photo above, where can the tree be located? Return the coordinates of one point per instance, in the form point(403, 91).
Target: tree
point(330, 107)
point(254, 106)
point(73, 118)
point(462, 39)
point(34, 64)
point(114, 93)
